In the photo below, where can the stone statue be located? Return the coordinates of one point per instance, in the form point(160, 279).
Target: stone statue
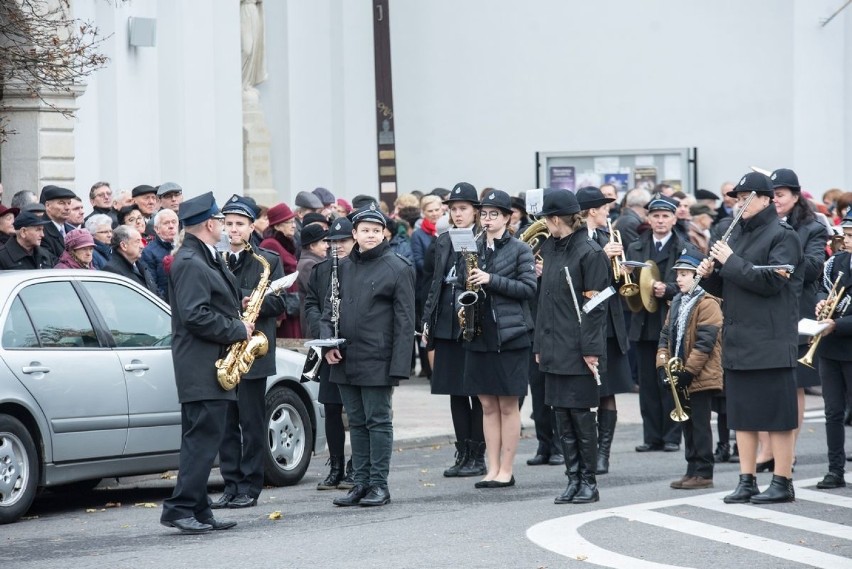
point(253, 49)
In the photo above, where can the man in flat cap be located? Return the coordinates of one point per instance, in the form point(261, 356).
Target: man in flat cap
point(24, 251)
point(206, 302)
point(377, 320)
point(663, 246)
point(57, 207)
point(246, 434)
point(170, 195)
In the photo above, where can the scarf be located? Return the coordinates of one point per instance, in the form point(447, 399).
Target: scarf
point(687, 304)
point(429, 227)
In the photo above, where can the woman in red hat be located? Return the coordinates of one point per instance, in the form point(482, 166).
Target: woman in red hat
point(7, 222)
point(282, 222)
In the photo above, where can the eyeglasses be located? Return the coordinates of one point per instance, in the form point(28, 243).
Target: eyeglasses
point(493, 214)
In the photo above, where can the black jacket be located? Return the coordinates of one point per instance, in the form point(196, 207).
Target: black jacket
point(119, 265)
point(53, 240)
point(247, 273)
point(760, 307)
point(109, 211)
point(615, 327)
point(513, 283)
point(835, 346)
point(628, 224)
point(561, 340)
point(439, 310)
point(14, 258)
point(317, 293)
point(376, 318)
point(646, 326)
point(205, 301)
point(813, 236)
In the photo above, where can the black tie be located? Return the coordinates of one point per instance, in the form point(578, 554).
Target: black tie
point(659, 246)
point(232, 261)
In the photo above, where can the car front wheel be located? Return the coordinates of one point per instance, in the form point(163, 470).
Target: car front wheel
point(291, 438)
point(18, 469)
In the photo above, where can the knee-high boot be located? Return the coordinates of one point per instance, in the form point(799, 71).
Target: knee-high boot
point(606, 429)
point(586, 429)
point(568, 441)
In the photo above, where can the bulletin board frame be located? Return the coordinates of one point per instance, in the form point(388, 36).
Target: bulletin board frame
point(627, 169)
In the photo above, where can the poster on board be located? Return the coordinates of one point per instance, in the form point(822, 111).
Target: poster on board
point(645, 177)
point(563, 177)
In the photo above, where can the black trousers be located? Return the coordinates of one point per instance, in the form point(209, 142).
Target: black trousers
point(542, 413)
point(836, 378)
point(202, 426)
point(242, 450)
point(655, 400)
point(698, 436)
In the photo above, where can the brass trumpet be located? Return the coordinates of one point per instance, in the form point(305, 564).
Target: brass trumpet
point(679, 413)
point(629, 288)
point(831, 302)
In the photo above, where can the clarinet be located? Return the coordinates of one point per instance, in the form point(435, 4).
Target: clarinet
point(335, 292)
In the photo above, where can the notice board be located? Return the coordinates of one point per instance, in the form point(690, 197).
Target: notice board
point(626, 169)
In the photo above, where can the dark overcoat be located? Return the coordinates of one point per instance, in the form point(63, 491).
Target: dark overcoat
point(376, 318)
point(119, 265)
point(205, 303)
point(813, 236)
point(439, 310)
point(561, 339)
point(14, 258)
point(615, 326)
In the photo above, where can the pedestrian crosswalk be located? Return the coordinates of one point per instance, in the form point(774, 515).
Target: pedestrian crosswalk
point(563, 535)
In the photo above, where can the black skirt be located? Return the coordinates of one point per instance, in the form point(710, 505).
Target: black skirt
point(448, 368)
point(328, 391)
point(571, 391)
point(503, 373)
point(616, 378)
point(761, 399)
point(805, 376)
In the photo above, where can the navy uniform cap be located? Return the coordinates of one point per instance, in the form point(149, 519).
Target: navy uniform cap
point(238, 205)
point(559, 202)
point(463, 192)
point(753, 182)
point(30, 219)
point(686, 261)
point(339, 230)
point(591, 197)
point(662, 203)
point(369, 213)
point(142, 190)
point(198, 209)
point(55, 193)
point(785, 178)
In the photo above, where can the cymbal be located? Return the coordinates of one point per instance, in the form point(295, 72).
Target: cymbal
point(646, 290)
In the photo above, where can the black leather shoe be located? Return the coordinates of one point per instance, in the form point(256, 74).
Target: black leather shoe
point(556, 460)
point(498, 484)
point(767, 466)
point(538, 460)
point(570, 490)
point(377, 496)
point(648, 448)
point(187, 525)
point(780, 490)
point(222, 502)
point(830, 481)
point(353, 497)
point(243, 501)
point(746, 488)
point(671, 447)
point(483, 484)
point(220, 524)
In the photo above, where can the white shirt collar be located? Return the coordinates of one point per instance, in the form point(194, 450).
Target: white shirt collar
point(664, 240)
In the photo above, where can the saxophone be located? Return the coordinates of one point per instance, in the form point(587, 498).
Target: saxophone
point(470, 318)
point(241, 355)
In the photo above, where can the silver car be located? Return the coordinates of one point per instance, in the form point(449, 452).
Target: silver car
point(87, 388)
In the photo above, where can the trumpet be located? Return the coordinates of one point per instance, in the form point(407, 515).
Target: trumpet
point(831, 302)
point(629, 288)
point(679, 414)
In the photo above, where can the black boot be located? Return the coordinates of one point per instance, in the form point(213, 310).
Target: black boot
point(348, 481)
point(585, 426)
point(568, 440)
point(780, 490)
point(475, 464)
point(735, 454)
point(606, 429)
point(723, 452)
point(461, 458)
point(335, 474)
point(746, 488)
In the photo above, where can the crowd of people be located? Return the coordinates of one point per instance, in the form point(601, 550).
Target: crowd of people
point(691, 300)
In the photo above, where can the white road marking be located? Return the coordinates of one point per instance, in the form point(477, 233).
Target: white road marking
point(562, 536)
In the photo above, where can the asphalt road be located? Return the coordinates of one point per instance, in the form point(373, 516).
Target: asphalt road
point(439, 522)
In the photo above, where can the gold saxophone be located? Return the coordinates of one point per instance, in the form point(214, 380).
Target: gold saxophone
point(535, 236)
point(469, 316)
point(241, 355)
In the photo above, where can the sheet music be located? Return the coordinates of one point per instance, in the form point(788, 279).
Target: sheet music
point(463, 240)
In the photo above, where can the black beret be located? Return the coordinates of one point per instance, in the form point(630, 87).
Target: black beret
point(701, 194)
point(314, 217)
point(142, 190)
point(56, 193)
point(29, 219)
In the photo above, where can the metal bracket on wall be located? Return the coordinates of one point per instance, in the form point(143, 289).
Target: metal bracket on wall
point(824, 21)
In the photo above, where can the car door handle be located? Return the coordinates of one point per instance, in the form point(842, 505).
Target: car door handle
point(35, 369)
point(136, 367)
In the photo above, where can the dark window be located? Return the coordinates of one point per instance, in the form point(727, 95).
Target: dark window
point(133, 319)
point(18, 330)
point(58, 316)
